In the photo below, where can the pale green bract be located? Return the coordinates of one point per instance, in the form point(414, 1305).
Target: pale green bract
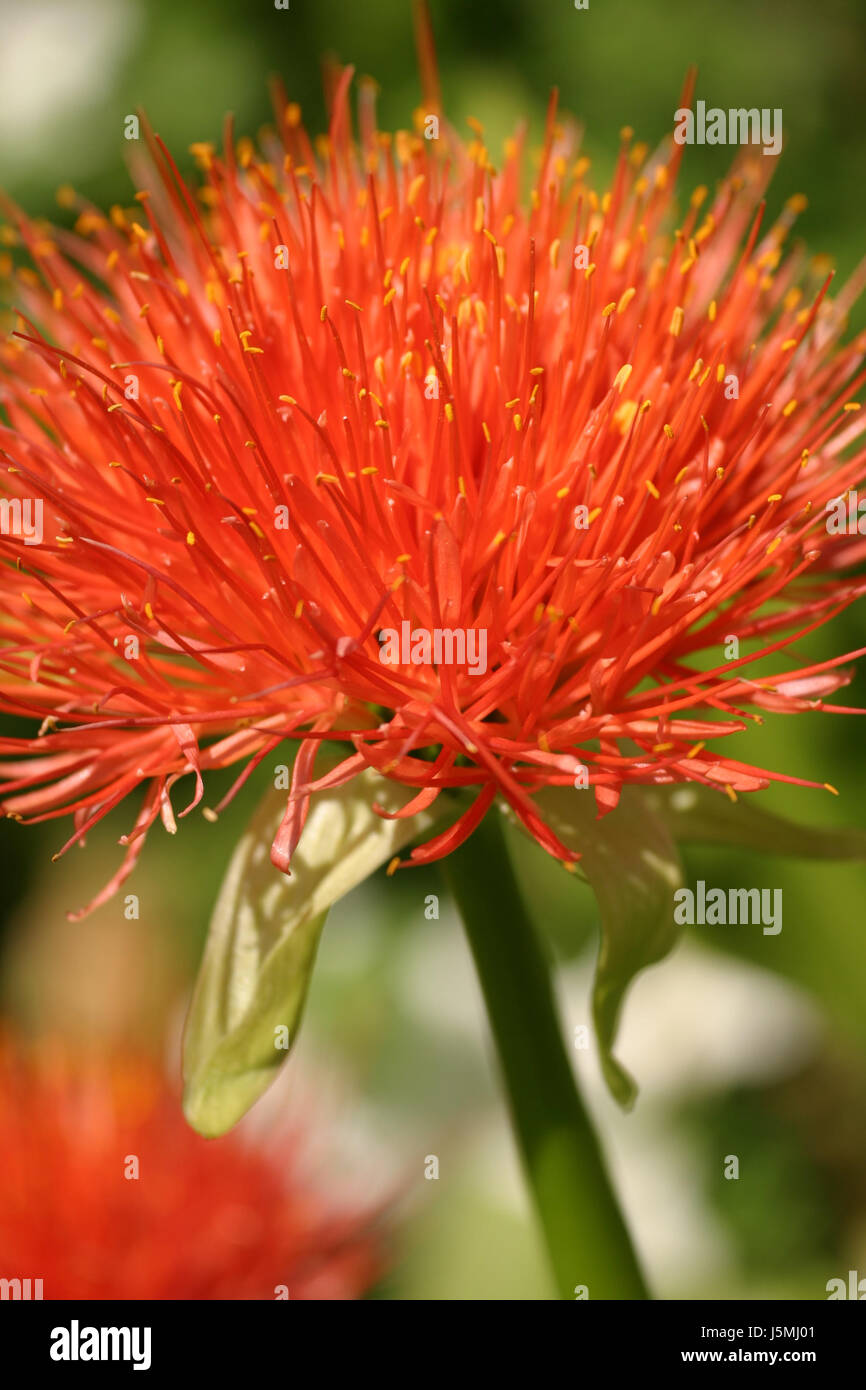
point(697, 815)
point(264, 934)
point(631, 861)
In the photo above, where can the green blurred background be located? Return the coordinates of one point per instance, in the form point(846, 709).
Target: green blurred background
point(749, 1045)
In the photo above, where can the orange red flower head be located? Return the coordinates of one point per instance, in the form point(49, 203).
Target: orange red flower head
point(336, 389)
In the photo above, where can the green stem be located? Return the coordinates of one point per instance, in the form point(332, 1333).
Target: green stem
point(586, 1236)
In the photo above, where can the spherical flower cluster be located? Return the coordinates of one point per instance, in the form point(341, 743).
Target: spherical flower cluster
point(343, 387)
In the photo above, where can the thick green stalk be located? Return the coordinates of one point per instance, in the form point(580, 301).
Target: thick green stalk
point(586, 1236)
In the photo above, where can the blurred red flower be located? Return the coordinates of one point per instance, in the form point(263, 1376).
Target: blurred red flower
point(106, 1193)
